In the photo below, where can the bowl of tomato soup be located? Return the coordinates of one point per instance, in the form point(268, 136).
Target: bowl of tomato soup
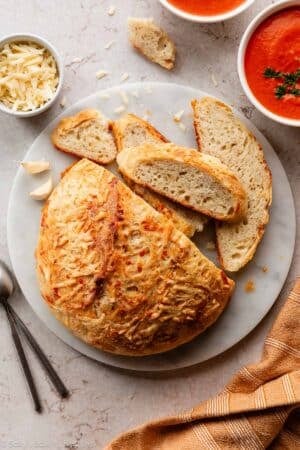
point(206, 11)
point(269, 62)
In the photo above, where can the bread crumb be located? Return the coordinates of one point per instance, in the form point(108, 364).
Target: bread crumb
point(178, 116)
point(148, 90)
point(111, 10)
point(104, 95)
point(63, 102)
point(135, 94)
point(214, 80)
point(125, 76)
point(147, 114)
point(76, 60)
point(124, 97)
point(120, 109)
point(210, 245)
point(265, 269)
point(101, 74)
point(249, 286)
point(182, 126)
point(109, 44)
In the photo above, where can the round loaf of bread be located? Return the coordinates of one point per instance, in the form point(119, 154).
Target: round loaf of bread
point(117, 273)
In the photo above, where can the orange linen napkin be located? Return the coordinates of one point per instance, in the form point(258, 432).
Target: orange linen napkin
point(256, 410)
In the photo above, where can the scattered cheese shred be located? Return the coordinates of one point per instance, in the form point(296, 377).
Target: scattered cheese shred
point(109, 44)
point(147, 115)
point(125, 76)
point(111, 11)
point(101, 74)
point(76, 60)
point(249, 286)
point(63, 102)
point(28, 76)
point(120, 109)
point(124, 97)
point(104, 96)
point(214, 80)
point(182, 126)
point(178, 116)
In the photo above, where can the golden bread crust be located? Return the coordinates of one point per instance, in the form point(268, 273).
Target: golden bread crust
point(117, 273)
point(119, 129)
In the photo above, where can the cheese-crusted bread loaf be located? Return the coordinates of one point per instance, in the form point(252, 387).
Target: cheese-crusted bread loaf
point(132, 131)
point(152, 42)
point(200, 182)
point(221, 134)
point(117, 273)
point(88, 135)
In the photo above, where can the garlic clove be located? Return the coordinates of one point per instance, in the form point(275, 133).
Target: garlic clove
point(43, 191)
point(34, 167)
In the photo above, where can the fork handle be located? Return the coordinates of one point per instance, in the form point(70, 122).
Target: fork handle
point(23, 360)
point(53, 375)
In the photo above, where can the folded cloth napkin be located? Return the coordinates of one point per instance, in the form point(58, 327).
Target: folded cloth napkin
point(258, 409)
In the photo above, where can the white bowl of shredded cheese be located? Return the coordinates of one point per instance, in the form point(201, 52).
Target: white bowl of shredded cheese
point(31, 75)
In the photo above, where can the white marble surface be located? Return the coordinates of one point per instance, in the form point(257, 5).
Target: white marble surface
point(244, 311)
point(104, 401)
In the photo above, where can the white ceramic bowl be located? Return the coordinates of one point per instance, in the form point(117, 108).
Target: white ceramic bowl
point(207, 19)
point(19, 37)
point(270, 10)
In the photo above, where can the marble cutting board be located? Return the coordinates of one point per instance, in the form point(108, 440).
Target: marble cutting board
point(160, 101)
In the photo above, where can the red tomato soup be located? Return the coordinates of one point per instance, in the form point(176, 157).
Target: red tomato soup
point(206, 7)
point(272, 63)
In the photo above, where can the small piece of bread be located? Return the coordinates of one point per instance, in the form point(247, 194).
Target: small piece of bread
point(131, 131)
point(88, 135)
point(152, 42)
point(221, 134)
point(197, 181)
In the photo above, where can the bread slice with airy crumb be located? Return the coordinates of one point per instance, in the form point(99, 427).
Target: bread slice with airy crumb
point(152, 41)
point(221, 134)
point(197, 181)
point(132, 131)
point(88, 135)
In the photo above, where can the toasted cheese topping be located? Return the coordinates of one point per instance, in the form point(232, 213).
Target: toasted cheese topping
point(28, 76)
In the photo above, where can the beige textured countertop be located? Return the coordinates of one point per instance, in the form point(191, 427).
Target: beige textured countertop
point(104, 401)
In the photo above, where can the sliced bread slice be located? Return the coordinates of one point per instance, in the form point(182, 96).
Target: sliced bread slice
point(132, 131)
point(197, 181)
point(221, 134)
point(87, 134)
point(152, 42)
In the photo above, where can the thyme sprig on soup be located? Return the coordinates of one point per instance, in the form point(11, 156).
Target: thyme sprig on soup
point(272, 63)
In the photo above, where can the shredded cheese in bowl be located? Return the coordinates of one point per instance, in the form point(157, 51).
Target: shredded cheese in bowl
point(28, 76)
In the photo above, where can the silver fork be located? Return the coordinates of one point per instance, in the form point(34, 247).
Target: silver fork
point(16, 325)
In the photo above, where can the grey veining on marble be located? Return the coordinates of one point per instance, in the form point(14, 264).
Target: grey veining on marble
point(105, 401)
